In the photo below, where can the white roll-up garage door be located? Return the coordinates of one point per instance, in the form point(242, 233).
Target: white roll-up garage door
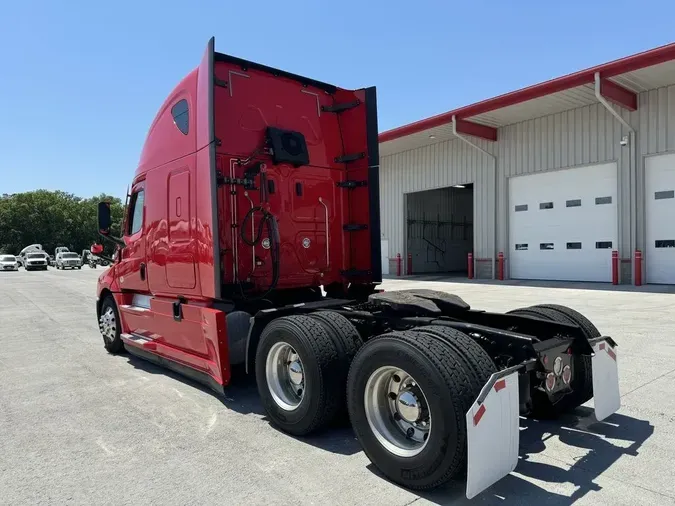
point(660, 218)
point(563, 225)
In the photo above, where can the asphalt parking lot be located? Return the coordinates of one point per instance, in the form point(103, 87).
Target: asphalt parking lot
point(79, 426)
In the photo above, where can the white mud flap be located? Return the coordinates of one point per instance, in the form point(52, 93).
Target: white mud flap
point(606, 396)
point(492, 432)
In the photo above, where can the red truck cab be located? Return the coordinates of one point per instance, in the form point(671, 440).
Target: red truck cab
point(255, 188)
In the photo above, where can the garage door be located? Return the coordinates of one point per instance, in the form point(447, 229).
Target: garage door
point(563, 224)
point(660, 215)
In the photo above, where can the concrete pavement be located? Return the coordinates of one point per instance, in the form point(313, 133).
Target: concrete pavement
point(79, 426)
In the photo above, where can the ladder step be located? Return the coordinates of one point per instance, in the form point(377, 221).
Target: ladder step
point(351, 184)
point(354, 227)
point(349, 158)
point(340, 107)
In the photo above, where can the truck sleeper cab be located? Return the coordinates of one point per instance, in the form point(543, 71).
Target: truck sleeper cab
point(252, 237)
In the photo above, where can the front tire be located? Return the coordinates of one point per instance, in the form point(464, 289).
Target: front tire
point(407, 395)
point(298, 374)
point(110, 326)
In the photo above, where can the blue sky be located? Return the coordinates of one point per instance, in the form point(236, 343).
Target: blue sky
point(81, 81)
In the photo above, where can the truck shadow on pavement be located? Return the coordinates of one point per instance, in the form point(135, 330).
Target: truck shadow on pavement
point(579, 431)
point(241, 395)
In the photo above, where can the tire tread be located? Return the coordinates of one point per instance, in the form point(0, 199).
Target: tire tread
point(323, 350)
point(455, 376)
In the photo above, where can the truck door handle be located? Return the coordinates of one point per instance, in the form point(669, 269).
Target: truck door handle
point(142, 271)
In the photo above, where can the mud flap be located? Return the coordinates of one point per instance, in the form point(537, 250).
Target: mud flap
point(492, 432)
point(606, 395)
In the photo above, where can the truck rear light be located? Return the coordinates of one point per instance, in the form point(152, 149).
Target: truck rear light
point(550, 381)
point(567, 375)
point(557, 366)
point(544, 359)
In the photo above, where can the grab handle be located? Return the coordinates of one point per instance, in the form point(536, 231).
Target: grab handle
point(327, 233)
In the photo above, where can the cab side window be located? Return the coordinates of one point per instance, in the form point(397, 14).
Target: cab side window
point(181, 116)
point(136, 212)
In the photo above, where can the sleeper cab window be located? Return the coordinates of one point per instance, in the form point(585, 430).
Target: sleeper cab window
point(181, 116)
point(136, 212)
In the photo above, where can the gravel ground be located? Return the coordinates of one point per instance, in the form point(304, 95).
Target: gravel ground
point(79, 426)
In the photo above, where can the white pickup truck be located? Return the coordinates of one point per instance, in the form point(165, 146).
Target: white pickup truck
point(68, 260)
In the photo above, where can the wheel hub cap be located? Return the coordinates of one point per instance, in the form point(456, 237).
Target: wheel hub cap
point(285, 376)
point(295, 373)
point(397, 411)
point(108, 324)
point(408, 406)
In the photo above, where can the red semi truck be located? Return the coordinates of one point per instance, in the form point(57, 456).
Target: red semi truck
point(252, 239)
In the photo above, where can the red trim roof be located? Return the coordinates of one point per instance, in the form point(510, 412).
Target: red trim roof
point(628, 64)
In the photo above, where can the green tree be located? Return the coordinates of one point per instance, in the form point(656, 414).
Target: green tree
point(52, 218)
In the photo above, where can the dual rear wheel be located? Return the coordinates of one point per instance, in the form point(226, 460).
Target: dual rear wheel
point(407, 393)
point(301, 368)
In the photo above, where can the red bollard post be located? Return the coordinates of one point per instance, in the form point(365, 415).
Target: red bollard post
point(410, 264)
point(500, 266)
point(638, 268)
point(470, 265)
point(398, 264)
point(615, 267)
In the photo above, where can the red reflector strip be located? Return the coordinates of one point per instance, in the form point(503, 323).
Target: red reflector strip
point(479, 414)
point(611, 353)
point(501, 384)
point(602, 346)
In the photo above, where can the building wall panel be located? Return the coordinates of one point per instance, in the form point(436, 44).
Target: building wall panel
point(574, 138)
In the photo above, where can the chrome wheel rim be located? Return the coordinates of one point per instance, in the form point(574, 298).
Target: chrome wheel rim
point(285, 376)
point(107, 324)
point(397, 411)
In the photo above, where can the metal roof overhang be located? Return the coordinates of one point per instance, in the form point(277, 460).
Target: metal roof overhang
point(620, 81)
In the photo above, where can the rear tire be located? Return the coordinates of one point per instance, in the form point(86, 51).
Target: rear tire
point(443, 390)
point(298, 374)
point(347, 342)
point(582, 382)
point(474, 357)
point(585, 392)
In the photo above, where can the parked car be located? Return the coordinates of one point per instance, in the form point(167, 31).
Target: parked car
point(8, 263)
point(31, 248)
point(52, 261)
point(36, 260)
point(68, 260)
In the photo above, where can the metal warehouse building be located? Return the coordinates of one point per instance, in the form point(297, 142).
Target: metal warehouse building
point(555, 176)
